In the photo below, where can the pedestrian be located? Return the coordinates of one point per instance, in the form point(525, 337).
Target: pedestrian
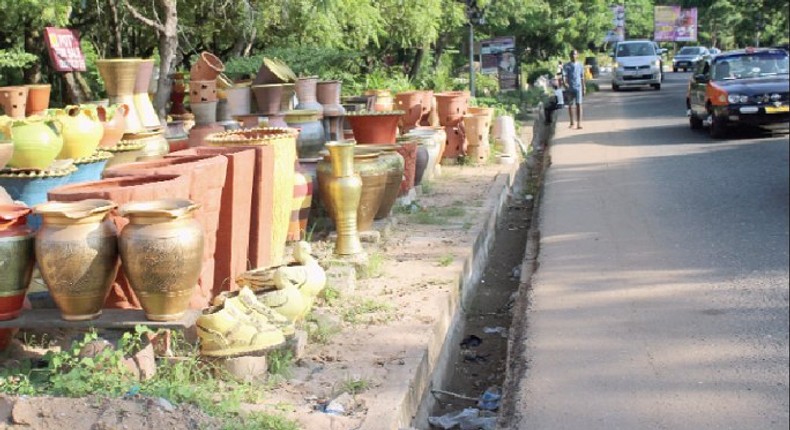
point(574, 83)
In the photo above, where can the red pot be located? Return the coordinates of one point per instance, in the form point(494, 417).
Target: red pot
point(207, 68)
point(17, 254)
point(452, 106)
point(374, 127)
point(410, 102)
point(37, 98)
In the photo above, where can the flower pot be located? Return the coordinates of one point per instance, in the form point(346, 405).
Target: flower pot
point(306, 89)
point(17, 253)
point(311, 138)
point(394, 161)
point(13, 101)
point(77, 254)
point(113, 120)
point(31, 186)
point(119, 76)
point(121, 191)
point(238, 100)
point(476, 128)
point(456, 142)
point(89, 168)
point(177, 94)
point(37, 98)
point(383, 101)
point(205, 112)
point(374, 127)
point(272, 192)
point(161, 251)
point(300, 205)
point(342, 191)
point(328, 94)
point(142, 103)
point(207, 68)
point(482, 110)
point(451, 106)
point(407, 148)
point(410, 102)
point(82, 131)
point(268, 97)
point(373, 172)
point(37, 141)
point(199, 133)
point(274, 71)
point(202, 92)
point(427, 104)
point(432, 141)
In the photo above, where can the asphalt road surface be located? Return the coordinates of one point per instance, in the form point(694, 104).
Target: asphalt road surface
point(661, 296)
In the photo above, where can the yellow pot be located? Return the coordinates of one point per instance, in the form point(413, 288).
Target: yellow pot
point(82, 131)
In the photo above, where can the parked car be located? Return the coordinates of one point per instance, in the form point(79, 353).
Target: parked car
point(714, 51)
point(636, 63)
point(746, 86)
point(687, 56)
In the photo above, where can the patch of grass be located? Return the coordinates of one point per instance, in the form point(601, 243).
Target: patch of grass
point(427, 188)
point(435, 216)
point(280, 363)
point(374, 268)
point(354, 385)
point(366, 311)
point(446, 260)
point(330, 295)
point(467, 225)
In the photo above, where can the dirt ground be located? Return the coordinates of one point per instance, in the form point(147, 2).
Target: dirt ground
point(366, 332)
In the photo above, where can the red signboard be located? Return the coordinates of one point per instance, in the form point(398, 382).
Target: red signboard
point(64, 49)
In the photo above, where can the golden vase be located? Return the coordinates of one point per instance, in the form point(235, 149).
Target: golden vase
point(344, 189)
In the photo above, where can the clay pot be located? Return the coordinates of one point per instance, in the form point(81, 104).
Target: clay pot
point(177, 94)
point(341, 187)
point(31, 186)
point(238, 100)
point(121, 191)
point(275, 120)
point(37, 98)
point(476, 128)
point(374, 127)
point(142, 103)
point(410, 102)
point(456, 142)
point(202, 91)
point(432, 149)
point(207, 68)
point(287, 100)
point(207, 177)
point(18, 256)
point(89, 168)
point(154, 144)
point(268, 97)
point(328, 94)
point(311, 138)
point(205, 112)
point(272, 192)
point(300, 205)
point(82, 131)
point(199, 133)
point(306, 93)
point(77, 254)
point(383, 101)
point(394, 161)
point(113, 120)
point(119, 76)
point(482, 110)
point(373, 172)
point(408, 150)
point(427, 104)
point(37, 141)
point(13, 101)
point(451, 106)
point(161, 251)
point(274, 71)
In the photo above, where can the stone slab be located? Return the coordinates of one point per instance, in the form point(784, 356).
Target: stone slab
point(109, 319)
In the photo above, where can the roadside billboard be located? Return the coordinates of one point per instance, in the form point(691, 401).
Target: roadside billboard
point(617, 32)
point(498, 56)
point(64, 49)
point(673, 24)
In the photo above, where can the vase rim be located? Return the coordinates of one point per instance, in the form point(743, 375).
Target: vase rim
point(172, 208)
point(75, 210)
point(376, 113)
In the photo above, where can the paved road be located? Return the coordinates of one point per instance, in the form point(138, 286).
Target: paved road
point(661, 299)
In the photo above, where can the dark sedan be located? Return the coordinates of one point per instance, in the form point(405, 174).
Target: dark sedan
point(747, 86)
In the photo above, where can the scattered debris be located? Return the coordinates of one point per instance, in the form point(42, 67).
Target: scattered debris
point(471, 341)
point(502, 331)
point(467, 419)
point(490, 399)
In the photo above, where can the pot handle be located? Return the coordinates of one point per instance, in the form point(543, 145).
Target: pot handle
point(123, 108)
point(101, 113)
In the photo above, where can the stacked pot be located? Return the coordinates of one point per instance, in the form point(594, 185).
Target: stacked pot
point(328, 95)
point(451, 107)
point(203, 98)
point(477, 125)
point(273, 89)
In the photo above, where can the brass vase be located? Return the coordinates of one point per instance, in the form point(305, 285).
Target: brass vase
point(344, 190)
point(77, 254)
point(395, 168)
point(161, 250)
point(119, 76)
point(17, 258)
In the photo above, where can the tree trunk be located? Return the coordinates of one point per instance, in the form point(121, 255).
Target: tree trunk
point(416, 63)
point(115, 29)
point(33, 45)
point(77, 90)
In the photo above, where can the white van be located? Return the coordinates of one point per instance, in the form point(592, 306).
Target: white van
point(636, 63)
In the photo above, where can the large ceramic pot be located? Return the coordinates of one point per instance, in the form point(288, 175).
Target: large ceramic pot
point(427, 103)
point(274, 71)
point(410, 102)
point(13, 101)
point(420, 163)
point(89, 168)
point(477, 129)
point(383, 101)
point(238, 100)
point(374, 127)
point(394, 161)
point(328, 94)
point(37, 98)
point(161, 249)
point(113, 119)
point(311, 138)
point(272, 191)
point(306, 92)
point(82, 131)
point(268, 98)
point(373, 172)
point(77, 254)
point(142, 103)
point(18, 258)
point(119, 76)
point(202, 91)
point(177, 94)
point(451, 106)
point(37, 141)
point(407, 148)
point(341, 187)
point(482, 110)
point(124, 152)
point(31, 186)
point(205, 112)
point(300, 206)
point(154, 143)
point(207, 68)
point(287, 99)
point(432, 147)
point(456, 143)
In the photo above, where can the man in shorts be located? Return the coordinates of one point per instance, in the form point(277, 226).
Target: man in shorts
point(573, 81)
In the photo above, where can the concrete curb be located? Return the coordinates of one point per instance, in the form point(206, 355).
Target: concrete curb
point(401, 403)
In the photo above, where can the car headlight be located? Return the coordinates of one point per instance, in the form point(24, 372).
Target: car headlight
point(657, 63)
point(617, 65)
point(737, 98)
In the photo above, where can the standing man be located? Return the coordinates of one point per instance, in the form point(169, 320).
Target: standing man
point(574, 83)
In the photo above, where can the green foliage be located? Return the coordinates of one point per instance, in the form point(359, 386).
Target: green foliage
point(15, 59)
point(354, 385)
point(280, 363)
point(374, 267)
point(446, 260)
point(366, 311)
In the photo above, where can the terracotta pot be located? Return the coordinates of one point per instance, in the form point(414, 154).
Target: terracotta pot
point(18, 257)
point(482, 110)
point(202, 91)
point(13, 101)
point(306, 93)
point(207, 68)
point(272, 193)
point(199, 133)
point(113, 120)
point(374, 127)
point(154, 144)
point(395, 164)
point(205, 112)
point(31, 186)
point(328, 94)
point(342, 190)
point(119, 76)
point(287, 100)
point(177, 94)
point(161, 251)
point(37, 141)
point(37, 98)
point(238, 100)
point(207, 177)
point(6, 152)
point(427, 105)
point(300, 205)
point(233, 235)
point(89, 168)
point(410, 102)
point(274, 71)
point(456, 142)
point(121, 191)
point(268, 97)
point(407, 148)
point(383, 101)
point(311, 138)
point(477, 128)
point(82, 131)
point(451, 106)
point(77, 254)
point(142, 103)
point(373, 172)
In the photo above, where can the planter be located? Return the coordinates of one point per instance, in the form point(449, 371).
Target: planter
point(410, 102)
point(428, 105)
point(13, 101)
point(272, 189)
point(37, 141)
point(238, 100)
point(178, 92)
point(476, 128)
point(481, 110)
point(328, 94)
point(383, 101)
point(122, 191)
point(202, 92)
point(77, 255)
point(198, 134)
point(268, 98)
point(207, 68)
point(90, 168)
point(306, 92)
point(394, 161)
point(161, 250)
point(124, 152)
point(205, 112)
point(287, 99)
point(374, 127)
point(37, 98)
point(206, 174)
point(407, 148)
point(504, 136)
point(31, 186)
point(119, 76)
point(82, 131)
point(456, 142)
point(154, 143)
point(142, 103)
point(233, 234)
point(300, 205)
point(311, 139)
point(113, 121)
point(274, 71)
point(342, 189)
point(451, 107)
point(433, 140)
point(373, 172)
point(18, 256)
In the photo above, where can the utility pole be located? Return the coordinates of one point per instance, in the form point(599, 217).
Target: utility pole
point(475, 16)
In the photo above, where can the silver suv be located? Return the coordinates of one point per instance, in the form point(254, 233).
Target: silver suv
point(636, 63)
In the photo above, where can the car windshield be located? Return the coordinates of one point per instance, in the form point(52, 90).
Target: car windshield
point(635, 49)
point(750, 66)
point(689, 50)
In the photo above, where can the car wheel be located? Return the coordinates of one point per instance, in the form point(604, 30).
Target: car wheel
point(694, 122)
point(615, 87)
point(718, 127)
point(656, 86)
point(675, 69)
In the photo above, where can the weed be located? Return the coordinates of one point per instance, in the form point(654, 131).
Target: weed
point(374, 268)
point(427, 188)
point(467, 225)
point(446, 260)
point(320, 333)
point(435, 216)
point(330, 295)
point(37, 340)
point(280, 363)
point(366, 310)
point(354, 385)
